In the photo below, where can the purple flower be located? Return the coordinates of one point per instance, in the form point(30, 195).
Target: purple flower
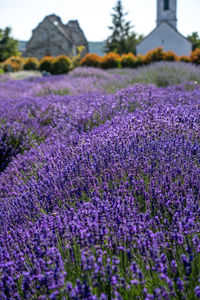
point(197, 291)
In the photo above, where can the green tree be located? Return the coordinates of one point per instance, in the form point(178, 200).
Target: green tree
point(131, 41)
point(8, 45)
point(122, 40)
point(195, 39)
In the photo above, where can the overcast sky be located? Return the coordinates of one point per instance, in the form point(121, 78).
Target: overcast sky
point(93, 15)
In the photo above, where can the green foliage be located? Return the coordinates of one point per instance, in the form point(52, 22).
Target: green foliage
point(195, 56)
point(8, 45)
point(165, 74)
point(75, 60)
point(128, 60)
point(139, 60)
point(185, 58)
point(50, 91)
point(195, 39)
point(171, 56)
point(31, 63)
point(13, 64)
point(46, 64)
point(1, 71)
point(61, 65)
point(132, 41)
point(121, 39)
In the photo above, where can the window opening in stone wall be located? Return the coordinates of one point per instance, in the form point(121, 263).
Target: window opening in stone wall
point(166, 4)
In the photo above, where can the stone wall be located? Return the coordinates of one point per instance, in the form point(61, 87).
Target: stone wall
point(52, 37)
point(77, 35)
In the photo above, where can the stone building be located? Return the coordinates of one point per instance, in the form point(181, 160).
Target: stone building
point(52, 37)
point(165, 34)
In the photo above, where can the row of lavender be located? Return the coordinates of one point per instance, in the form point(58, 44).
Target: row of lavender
point(33, 123)
point(103, 201)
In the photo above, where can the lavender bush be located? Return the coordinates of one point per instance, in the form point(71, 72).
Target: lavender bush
point(99, 192)
point(163, 73)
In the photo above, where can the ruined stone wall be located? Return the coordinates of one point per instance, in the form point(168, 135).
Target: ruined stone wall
point(77, 35)
point(52, 37)
point(48, 40)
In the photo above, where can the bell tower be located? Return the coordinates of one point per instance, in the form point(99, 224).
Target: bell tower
point(166, 12)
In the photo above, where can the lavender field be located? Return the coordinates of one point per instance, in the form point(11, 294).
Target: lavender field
point(100, 184)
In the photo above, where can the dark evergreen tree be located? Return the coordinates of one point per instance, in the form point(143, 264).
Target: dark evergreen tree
point(122, 40)
point(8, 45)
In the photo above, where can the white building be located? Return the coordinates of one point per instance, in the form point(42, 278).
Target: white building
point(165, 34)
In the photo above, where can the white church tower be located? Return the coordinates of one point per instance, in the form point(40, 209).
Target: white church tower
point(165, 34)
point(166, 12)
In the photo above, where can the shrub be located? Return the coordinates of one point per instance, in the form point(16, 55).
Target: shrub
point(13, 64)
point(128, 60)
point(31, 63)
point(46, 64)
point(195, 56)
point(1, 71)
point(170, 56)
point(140, 60)
point(75, 59)
point(61, 64)
point(91, 60)
point(185, 58)
point(7, 67)
point(110, 60)
point(154, 55)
